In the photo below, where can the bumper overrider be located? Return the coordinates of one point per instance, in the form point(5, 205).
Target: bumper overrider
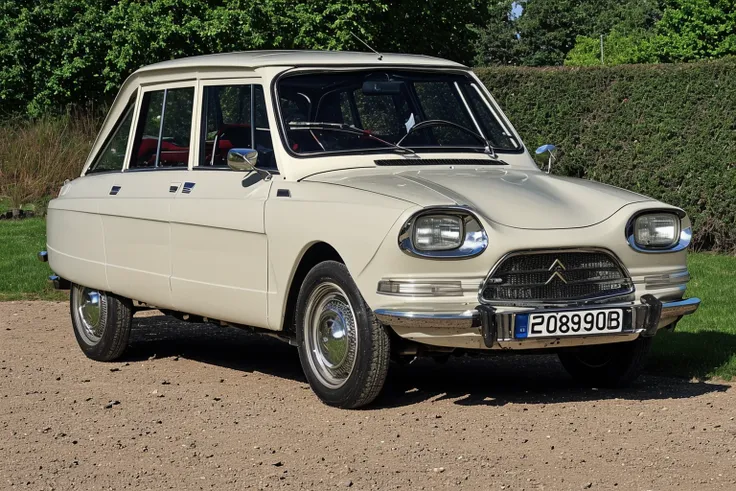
point(497, 325)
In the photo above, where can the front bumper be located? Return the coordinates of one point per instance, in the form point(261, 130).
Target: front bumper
point(493, 327)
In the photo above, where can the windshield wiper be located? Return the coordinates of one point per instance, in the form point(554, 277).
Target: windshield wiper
point(489, 149)
point(344, 128)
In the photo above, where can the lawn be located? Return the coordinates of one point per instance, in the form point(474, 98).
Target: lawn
point(703, 345)
point(22, 275)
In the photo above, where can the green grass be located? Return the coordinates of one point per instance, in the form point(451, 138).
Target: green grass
point(22, 275)
point(703, 346)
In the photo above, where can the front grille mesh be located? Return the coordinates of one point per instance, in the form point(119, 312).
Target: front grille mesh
point(556, 277)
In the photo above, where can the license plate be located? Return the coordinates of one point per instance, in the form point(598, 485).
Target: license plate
point(575, 323)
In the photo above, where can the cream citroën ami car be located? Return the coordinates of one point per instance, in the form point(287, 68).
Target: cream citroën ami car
point(364, 208)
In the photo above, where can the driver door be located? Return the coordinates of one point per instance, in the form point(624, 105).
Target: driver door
point(218, 239)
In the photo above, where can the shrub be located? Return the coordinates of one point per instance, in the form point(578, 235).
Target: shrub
point(666, 131)
point(37, 156)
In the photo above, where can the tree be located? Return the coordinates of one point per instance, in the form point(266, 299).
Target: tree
point(57, 53)
point(696, 29)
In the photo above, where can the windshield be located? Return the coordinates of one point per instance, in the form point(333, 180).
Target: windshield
point(402, 111)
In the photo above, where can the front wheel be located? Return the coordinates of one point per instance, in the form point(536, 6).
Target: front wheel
point(101, 321)
point(343, 349)
point(608, 365)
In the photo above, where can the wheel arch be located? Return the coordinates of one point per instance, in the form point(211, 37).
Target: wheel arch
point(315, 253)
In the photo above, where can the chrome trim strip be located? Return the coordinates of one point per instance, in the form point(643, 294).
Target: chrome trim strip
point(584, 301)
point(474, 244)
point(399, 318)
point(664, 280)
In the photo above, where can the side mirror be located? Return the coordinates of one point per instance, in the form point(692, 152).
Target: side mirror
point(245, 160)
point(548, 148)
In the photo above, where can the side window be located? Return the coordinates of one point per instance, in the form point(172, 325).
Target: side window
point(164, 129)
point(112, 156)
point(234, 116)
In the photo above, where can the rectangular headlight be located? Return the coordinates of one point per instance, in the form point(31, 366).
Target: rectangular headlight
point(438, 233)
point(657, 230)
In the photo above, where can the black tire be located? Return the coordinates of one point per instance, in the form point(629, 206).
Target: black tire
point(107, 339)
point(360, 356)
point(607, 365)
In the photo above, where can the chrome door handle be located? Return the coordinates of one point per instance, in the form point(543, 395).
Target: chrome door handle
point(114, 190)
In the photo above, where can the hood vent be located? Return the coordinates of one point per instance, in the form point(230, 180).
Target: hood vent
point(481, 162)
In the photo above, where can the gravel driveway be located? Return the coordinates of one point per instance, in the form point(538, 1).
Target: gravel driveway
point(204, 407)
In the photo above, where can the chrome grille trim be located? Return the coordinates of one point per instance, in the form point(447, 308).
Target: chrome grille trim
point(578, 294)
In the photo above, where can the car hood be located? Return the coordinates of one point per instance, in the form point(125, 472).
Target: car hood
point(515, 198)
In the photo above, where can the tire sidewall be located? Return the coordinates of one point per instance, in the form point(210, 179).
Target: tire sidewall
point(331, 271)
point(101, 350)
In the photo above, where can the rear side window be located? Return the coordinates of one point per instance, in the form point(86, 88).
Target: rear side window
point(112, 156)
point(164, 129)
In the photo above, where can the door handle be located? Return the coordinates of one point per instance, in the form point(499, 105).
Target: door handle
point(114, 190)
point(174, 187)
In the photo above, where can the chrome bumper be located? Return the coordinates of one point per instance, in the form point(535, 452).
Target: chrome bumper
point(496, 325)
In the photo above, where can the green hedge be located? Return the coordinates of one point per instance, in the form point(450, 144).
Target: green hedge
point(666, 131)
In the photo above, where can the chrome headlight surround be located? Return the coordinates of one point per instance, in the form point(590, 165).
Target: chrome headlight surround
point(683, 236)
point(474, 238)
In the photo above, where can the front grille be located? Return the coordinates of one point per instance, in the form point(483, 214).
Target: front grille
point(556, 277)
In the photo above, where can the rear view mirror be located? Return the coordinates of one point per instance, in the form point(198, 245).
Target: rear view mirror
point(548, 148)
point(381, 88)
point(245, 160)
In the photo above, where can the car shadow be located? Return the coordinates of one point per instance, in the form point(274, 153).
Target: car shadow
point(468, 381)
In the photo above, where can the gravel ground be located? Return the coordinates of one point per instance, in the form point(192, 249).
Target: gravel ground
point(204, 407)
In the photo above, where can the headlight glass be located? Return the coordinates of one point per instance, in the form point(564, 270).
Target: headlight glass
point(438, 233)
point(657, 230)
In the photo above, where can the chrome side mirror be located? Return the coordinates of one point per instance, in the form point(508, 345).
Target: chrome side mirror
point(551, 149)
point(245, 160)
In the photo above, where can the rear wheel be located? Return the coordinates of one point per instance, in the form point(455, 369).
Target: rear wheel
point(101, 321)
point(608, 365)
point(343, 349)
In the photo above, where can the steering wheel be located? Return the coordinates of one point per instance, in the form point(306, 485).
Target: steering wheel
point(442, 122)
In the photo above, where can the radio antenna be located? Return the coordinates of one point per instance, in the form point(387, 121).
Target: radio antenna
point(380, 56)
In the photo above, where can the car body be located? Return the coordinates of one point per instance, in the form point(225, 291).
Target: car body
point(221, 187)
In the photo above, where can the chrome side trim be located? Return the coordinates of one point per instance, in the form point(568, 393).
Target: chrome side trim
point(586, 301)
point(665, 280)
point(474, 244)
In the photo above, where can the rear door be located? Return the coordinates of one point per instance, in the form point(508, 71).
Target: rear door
point(218, 240)
point(137, 210)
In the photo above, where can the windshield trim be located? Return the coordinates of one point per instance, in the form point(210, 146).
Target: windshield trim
point(336, 153)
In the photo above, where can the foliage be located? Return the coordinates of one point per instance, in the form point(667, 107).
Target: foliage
point(36, 157)
point(56, 53)
point(618, 48)
point(666, 131)
point(695, 30)
point(546, 31)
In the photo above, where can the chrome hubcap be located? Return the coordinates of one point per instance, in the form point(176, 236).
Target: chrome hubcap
point(89, 305)
point(330, 334)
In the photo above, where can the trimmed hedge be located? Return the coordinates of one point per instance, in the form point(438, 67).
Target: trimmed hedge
point(666, 131)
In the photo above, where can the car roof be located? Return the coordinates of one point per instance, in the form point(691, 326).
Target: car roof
point(258, 59)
